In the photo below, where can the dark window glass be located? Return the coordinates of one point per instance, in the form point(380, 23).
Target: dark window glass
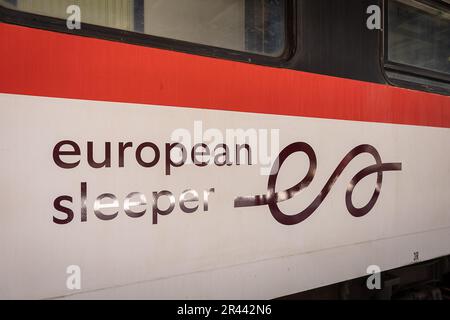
point(419, 35)
point(256, 26)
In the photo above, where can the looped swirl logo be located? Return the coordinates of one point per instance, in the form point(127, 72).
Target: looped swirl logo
point(272, 198)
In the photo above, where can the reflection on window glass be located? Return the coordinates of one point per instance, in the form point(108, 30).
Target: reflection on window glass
point(419, 35)
point(256, 26)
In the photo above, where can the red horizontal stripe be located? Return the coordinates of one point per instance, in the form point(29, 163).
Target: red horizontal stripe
point(43, 63)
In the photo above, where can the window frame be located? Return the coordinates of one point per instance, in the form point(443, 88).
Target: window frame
point(405, 73)
point(21, 18)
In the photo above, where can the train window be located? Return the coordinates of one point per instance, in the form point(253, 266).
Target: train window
point(255, 26)
point(418, 39)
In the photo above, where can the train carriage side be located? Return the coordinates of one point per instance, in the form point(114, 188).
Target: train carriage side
point(240, 149)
